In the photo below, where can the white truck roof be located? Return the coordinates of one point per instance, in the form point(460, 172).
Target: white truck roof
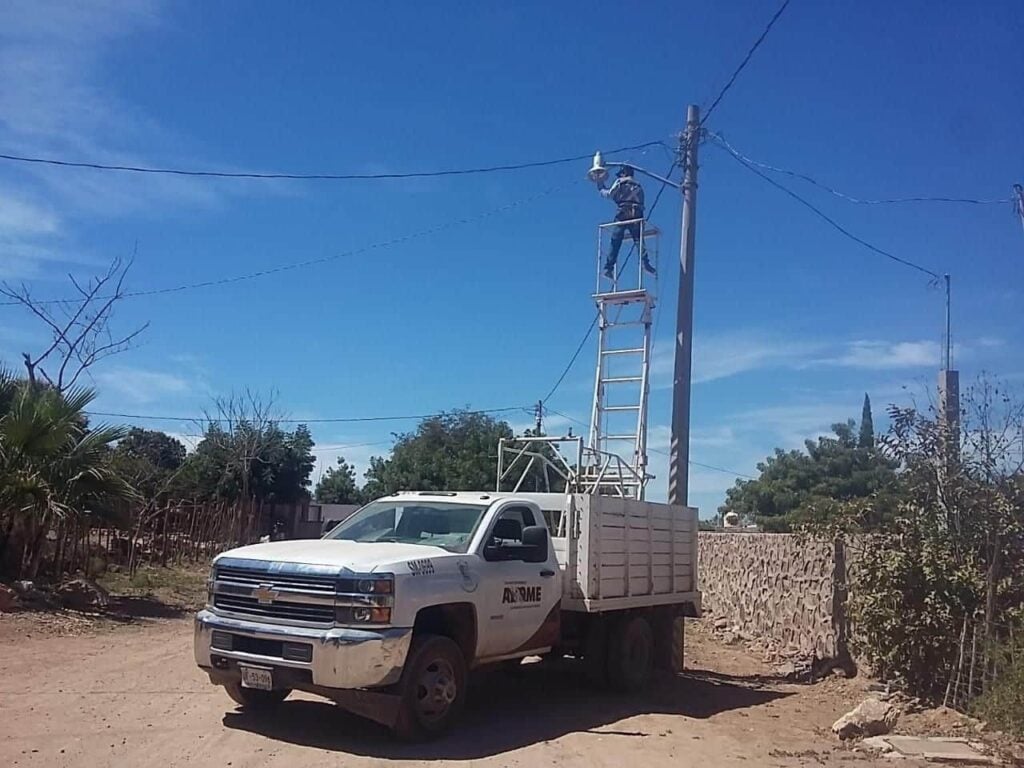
point(543, 500)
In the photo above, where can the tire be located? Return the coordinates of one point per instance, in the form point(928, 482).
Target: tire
point(630, 654)
point(595, 652)
point(432, 689)
point(253, 700)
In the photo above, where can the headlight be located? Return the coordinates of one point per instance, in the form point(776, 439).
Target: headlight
point(365, 600)
point(210, 580)
point(354, 616)
point(383, 584)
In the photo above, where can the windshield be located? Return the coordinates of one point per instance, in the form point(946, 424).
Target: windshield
point(437, 524)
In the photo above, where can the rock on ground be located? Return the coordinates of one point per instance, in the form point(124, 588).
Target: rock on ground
point(8, 598)
point(81, 594)
point(871, 717)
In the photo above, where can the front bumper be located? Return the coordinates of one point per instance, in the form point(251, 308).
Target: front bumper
point(341, 657)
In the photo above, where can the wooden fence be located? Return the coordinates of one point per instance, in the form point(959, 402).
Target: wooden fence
point(174, 533)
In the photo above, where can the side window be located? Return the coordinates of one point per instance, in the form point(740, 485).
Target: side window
point(508, 528)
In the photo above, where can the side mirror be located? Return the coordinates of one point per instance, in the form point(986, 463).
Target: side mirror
point(535, 544)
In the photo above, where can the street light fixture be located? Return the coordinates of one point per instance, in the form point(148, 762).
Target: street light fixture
point(598, 172)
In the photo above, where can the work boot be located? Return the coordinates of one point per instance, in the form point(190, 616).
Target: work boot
point(609, 271)
point(648, 267)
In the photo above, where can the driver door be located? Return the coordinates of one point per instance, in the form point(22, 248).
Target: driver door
point(522, 599)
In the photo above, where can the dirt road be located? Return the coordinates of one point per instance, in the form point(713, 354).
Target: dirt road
point(133, 697)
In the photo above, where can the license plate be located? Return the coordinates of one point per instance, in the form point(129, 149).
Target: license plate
point(254, 677)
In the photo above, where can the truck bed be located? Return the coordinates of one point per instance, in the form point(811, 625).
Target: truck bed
point(621, 553)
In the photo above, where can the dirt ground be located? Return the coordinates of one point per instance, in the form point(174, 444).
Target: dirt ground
point(128, 694)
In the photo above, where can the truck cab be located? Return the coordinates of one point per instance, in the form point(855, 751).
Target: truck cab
point(344, 613)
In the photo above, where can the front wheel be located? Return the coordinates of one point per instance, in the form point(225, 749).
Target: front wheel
point(432, 689)
point(254, 700)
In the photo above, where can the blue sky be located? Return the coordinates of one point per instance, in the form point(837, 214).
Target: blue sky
point(793, 322)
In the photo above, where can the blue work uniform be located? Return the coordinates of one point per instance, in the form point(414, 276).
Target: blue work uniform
point(628, 195)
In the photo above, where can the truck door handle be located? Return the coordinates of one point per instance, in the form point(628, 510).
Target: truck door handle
point(547, 574)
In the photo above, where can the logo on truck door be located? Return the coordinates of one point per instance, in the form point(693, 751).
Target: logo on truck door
point(521, 594)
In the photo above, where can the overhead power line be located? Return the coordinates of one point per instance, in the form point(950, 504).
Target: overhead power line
point(315, 449)
point(818, 212)
point(336, 420)
point(311, 176)
point(746, 60)
point(572, 360)
point(850, 198)
point(451, 223)
point(709, 466)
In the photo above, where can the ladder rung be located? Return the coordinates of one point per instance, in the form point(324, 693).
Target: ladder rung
point(621, 379)
point(620, 408)
point(635, 351)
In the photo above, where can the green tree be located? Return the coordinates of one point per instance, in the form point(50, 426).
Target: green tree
point(148, 459)
point(795, 487)
point(448, 452)
point(249, 460)
point(952, 550)
point(52, 466)
point(338, 485)
point(867, 426)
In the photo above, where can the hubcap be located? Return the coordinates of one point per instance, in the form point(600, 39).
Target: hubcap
point(436, 689)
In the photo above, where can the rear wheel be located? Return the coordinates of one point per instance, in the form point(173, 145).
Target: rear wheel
point(432, 689)
point(630, 653)
point(254, 700)
point(595, 651)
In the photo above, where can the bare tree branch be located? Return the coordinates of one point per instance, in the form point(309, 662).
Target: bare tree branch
point(83, 336)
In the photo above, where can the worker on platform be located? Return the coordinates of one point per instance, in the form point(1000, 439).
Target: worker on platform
point(628, 195)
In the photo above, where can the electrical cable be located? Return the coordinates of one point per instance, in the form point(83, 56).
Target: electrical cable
point(842, 195)
point(708, 466)
point(337, 420)
point(817, 211)
point(746, 59)
point(572, 360)
point(313, 176)
point(451, 223)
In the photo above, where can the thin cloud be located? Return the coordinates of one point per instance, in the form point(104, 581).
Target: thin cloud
point(56, 101)
point(720, 355)
point(885, 355)
point(140, 385)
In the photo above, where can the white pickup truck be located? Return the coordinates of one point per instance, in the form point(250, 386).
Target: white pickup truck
point(389, 610)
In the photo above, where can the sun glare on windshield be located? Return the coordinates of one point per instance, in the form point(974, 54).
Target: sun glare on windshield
point(436, 524)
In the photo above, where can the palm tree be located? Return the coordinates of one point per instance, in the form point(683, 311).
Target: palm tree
point(53, 467)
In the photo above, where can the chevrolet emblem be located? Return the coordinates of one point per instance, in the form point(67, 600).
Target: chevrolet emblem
point(265, 594)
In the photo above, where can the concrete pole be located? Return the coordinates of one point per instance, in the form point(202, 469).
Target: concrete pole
point(679, 450)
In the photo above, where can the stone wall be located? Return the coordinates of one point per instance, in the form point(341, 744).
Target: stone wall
point(777, 589)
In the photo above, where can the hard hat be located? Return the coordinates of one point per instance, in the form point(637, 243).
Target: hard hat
point(626, 170)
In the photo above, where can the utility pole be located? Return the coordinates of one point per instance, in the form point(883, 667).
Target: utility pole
point(540, 418)
point(949, 388)
point(679, 449)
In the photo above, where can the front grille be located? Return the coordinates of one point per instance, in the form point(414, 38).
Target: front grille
point(254, 577)
point(279, 609)
point(303, 595)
